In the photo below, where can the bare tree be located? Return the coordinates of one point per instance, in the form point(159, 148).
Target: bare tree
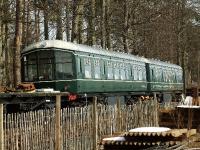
point(103, 26)
point(166, 30)
point(59, 33)
point(126, 26)
point(107, 24)
point(67, 20)
point(17, 43)
point(91, 23)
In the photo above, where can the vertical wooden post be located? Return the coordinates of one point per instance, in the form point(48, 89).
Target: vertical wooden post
point(156, 110)
point(1, 128)
point(198, 78)
point(95, 125)
point(57, 124)
point(118, 114)
point(190, 118)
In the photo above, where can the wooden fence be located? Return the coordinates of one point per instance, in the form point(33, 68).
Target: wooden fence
point(36, 129)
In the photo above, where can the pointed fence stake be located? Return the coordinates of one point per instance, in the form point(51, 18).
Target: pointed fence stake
point(1, 128)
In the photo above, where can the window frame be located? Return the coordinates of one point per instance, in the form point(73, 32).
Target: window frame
point(97, 68)
point(69, 75)
point(87, 67)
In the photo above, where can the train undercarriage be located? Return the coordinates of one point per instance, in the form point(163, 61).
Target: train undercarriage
point(31, 103)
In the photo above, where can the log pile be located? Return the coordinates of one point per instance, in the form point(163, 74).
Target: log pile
point(143, 140)
point(22, 87)
point(25, 87)
point(4, 89)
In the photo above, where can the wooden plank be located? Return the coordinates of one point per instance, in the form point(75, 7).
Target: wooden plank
point(95, 125)
point(57, 124)
point(177, 132)
point(118, 114)
point(10, 98)
point(191, 132)
point(1, 128)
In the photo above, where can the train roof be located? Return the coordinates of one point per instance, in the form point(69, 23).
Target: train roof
point(94, 50)
point(162, 63)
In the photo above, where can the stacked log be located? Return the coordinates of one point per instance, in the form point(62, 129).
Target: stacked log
point(143, 140)
point(2, 89)
point(22, 87)
point(26, 87)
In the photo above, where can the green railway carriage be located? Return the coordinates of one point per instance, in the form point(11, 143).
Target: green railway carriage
point(81, 69)
point(164, 77)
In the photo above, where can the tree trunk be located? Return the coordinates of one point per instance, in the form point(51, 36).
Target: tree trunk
point(67, 11)
point(107, 24)
point(198, 72)
point(77, 21)
point(126, 28)
point(25, 25)
point(1, 44)
point(59, 33)
point(46, 24)
point(37, 24)
point(17, 44)
point(91, 24)
point(7, 59)
point(103, 28)
point(182, 41)
point(93, 34)
point(74, 15)
point(4, 46)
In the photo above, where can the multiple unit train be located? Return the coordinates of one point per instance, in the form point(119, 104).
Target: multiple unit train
point(82, 70)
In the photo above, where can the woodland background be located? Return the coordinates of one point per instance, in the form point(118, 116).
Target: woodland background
point(168, 30)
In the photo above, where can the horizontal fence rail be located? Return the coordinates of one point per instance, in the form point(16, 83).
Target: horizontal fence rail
point(36, 129)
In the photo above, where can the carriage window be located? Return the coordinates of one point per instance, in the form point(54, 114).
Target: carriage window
point(152, 74)
point(135, 73)
point(158, 74)
point(179, 76)
point(161, 72)
point(110, 70)
point(63, 65)
point(31, 71)
point(144, 74)
point(140, 71)
point(104, 67)
point(167, 76)
point(164, 75)
point(132, 72)
point(79, 67)
point(173, 76)
point(170, 76)
point(127, 72)
point(123, 76)
point(97, 69)
point(88, 67)
point(110, 73)
point(45, 65)
point(116, 71)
